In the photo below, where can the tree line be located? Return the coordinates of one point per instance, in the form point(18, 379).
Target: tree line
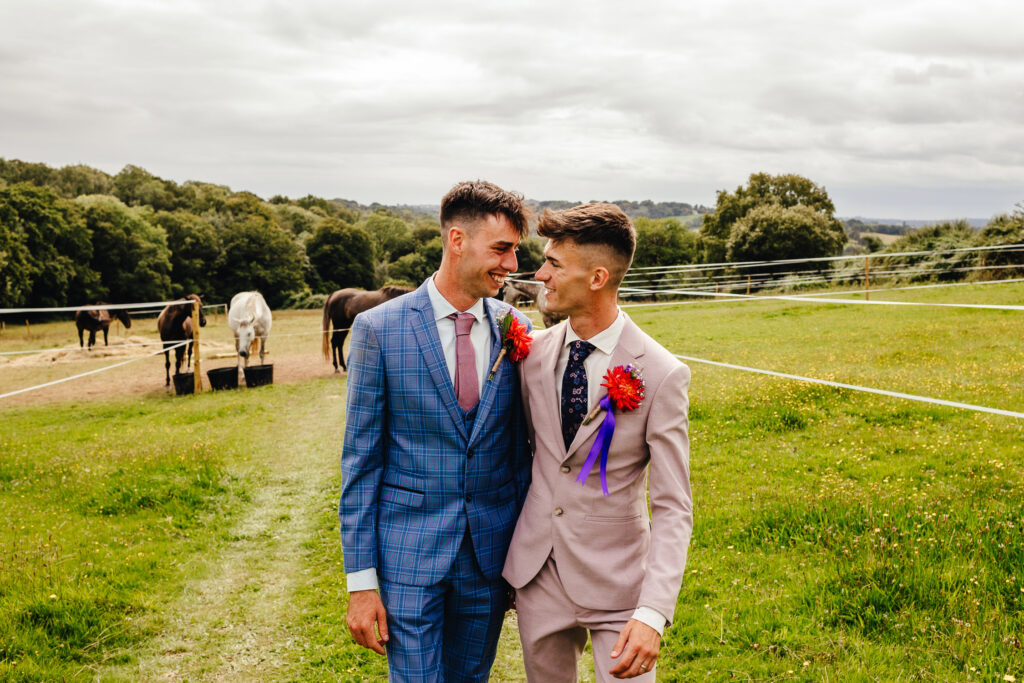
point(75, 235)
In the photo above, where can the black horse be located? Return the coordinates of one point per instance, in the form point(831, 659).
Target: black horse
point(96, 320)
point(170, 324)
point(342, 307)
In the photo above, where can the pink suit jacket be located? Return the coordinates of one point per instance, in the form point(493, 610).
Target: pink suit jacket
point(610, 554)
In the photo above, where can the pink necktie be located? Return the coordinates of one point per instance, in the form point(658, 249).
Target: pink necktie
point(467, 388)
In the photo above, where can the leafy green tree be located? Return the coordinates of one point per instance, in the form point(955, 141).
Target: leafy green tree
point(16, 271)
point(391, 236)
point(16, 171)
point(787, 191)
point(130, 254)
point(195, 254)
point(415, 267)
point(74, 181)
point(931, 266)
point(872, 243)
point(204, 198)
point(663, 242)
point(410, 270)
point(342, 256)
point(138, 187)
point(530, 255)
point(425, 231)
point(772, 231)
point(297, 220)
point(44, 249)
point(259, 255)
point(1003, 229)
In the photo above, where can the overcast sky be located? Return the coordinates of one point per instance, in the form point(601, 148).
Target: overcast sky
point(900, 109)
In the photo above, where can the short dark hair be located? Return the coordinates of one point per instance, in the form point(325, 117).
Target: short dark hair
point(472, 200)
point(595, 223)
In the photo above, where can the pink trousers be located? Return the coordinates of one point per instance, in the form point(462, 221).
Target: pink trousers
point(553, 631)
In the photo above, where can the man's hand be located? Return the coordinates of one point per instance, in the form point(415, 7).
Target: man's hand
point(365, 610)
point(637, 650)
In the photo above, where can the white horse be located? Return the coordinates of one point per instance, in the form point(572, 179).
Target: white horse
point(249, 318)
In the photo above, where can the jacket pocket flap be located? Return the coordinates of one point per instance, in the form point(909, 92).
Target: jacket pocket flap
point(401, 496)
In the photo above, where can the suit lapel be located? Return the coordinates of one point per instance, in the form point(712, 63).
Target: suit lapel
point(547, 392)
point(628, 351)
point(425, 329)
point(490, 388)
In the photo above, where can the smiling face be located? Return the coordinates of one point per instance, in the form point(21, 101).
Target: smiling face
point(568, 275)
point(487, 255)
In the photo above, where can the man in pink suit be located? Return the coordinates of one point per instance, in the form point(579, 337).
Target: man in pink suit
point(581, 560)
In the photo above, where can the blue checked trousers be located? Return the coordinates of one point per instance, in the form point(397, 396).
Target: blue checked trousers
point(447, 632)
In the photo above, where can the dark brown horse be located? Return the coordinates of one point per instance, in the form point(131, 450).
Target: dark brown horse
point(171, 325)
point(341, 309)
point(97, 320)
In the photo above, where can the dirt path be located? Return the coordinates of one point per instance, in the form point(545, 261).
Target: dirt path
point(238, 621)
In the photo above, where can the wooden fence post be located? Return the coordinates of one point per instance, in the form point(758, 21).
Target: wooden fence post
point(197, 376)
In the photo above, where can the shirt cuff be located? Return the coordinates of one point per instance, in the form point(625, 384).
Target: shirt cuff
point(647, 615)
point(362, 580)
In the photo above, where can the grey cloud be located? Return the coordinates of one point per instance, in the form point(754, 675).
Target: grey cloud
point(558, 99)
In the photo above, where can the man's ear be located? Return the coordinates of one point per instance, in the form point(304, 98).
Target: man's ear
point(599, 278)
point(456, 239)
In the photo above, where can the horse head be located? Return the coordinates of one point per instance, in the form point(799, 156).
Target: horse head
point(122, 315)
point(245, 336)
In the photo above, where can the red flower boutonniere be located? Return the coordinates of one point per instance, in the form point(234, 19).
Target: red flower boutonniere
point(625, 392)
point(625, 387)
point(515, 341)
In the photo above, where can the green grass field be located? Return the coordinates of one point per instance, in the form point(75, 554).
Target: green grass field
point(839, 536)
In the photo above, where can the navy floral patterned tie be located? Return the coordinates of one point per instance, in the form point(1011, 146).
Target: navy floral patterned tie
point(574, 390)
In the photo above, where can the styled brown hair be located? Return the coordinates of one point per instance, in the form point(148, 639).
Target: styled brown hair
point(472, 200)
point(596, 223)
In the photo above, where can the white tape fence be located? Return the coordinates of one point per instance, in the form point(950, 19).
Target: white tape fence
point(855, 387)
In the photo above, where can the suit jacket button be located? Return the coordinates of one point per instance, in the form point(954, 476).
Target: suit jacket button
point(469, 498)
point(558, 512)
point(565, 469)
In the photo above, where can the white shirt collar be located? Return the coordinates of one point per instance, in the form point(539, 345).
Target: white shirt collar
point(443, 308)
point(605, 340)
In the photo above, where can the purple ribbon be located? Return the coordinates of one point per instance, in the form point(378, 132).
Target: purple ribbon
point(600, 447)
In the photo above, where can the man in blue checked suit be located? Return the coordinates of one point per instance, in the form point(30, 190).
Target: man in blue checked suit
point(436, 463)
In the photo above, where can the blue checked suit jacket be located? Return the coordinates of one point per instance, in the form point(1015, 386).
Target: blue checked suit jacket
point(414, 477)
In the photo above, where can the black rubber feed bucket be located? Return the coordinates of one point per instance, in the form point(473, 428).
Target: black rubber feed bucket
point(223, 378)
point(184, 383)
point(258, 375)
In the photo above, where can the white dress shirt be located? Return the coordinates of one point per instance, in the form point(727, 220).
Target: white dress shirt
point(481, 337)
point(596, 365)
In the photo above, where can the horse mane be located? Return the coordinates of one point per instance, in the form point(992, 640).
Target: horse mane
point(392, 291)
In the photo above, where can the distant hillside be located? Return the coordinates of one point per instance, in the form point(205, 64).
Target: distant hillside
point(642, 209)
point(899, 226)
